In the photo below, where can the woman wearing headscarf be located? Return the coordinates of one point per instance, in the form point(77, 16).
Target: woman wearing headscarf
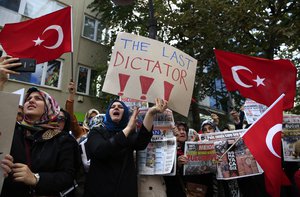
point(43, 159)
point(112, 171)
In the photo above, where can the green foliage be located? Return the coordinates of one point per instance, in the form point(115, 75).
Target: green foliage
point(257, 28)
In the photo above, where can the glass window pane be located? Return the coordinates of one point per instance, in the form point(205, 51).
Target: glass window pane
point(34, 78)
point(11, 4)
point(36, 8)
point(82, 79)
point(52, 75)
point(89, 28)
point(94, 83)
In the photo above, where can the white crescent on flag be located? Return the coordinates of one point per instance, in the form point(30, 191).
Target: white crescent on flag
point(59, 41)
point(269, 139)
point(60, 36)
point(236, 77)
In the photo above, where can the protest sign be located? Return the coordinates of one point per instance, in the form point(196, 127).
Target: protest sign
point(9, 105)
point(201, 158)
point(238, 162)
point(291, 138)
point(145, 69)
point(253, 110)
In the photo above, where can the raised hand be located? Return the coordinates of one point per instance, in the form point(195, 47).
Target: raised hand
point(132, 122)
point(6, 63)
point(159, 107)
point(71, 87)
point(71, 90)
point(133, 119)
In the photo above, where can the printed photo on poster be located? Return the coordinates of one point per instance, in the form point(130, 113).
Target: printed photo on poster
point(253, 110)
point(202, 158)
point(131, 103)
point(238, 162)
point(291, 138)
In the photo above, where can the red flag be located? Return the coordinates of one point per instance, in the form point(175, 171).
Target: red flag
point(45, 38)
point(261, 80)
point(263, 138)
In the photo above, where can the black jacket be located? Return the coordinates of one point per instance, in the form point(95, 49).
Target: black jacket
point(112, 171)
point(51, 153)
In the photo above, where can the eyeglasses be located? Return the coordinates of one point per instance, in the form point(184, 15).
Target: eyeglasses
point(61, 118)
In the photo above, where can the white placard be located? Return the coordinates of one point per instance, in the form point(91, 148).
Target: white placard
point(145, 69)
point(9, 107)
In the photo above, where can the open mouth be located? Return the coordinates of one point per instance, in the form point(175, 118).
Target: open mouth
point(116, 113)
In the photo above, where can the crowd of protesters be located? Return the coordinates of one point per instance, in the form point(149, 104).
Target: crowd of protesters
point(46, 159)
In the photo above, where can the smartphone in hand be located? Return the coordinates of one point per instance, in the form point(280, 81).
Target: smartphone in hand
point(28, 65)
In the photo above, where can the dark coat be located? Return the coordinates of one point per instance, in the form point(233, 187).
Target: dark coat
point(112, 171)
point(52, 154)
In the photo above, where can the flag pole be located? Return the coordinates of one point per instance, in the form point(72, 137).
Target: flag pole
point(230, 147)
point(280, 97)
point(72, 49)
point(231, 105)
point(72, 69)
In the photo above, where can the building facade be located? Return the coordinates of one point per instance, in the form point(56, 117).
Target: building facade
point(88, 53)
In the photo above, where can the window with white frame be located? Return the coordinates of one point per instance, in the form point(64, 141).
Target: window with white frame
point(32, 8)
point(93, 30)
point(46, 74)
point(88, 81)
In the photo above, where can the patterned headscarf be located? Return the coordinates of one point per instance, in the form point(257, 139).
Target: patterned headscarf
point(51, 109)
point(208, 122)
point(113, 126)
point(97, 121)
point(87, 118)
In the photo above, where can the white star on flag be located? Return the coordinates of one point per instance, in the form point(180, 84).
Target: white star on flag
point(259, 81)
point(38, 41)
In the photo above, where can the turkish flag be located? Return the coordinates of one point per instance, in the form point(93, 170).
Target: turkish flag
point(263, 138)
point(261, 80)
point(45, 38)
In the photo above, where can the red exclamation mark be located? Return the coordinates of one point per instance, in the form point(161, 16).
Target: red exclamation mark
point(123, 79)
point(168, 89)
point(146, 82)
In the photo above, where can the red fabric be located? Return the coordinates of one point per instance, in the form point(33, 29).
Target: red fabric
point(17, 39)
point(278, 76)
point(260, 138)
